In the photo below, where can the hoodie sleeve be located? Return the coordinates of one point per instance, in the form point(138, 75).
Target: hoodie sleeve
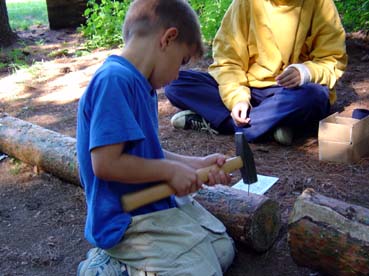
point(231, 57)
point(327, 59)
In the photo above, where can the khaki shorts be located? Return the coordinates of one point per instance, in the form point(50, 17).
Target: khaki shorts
point(179, 241)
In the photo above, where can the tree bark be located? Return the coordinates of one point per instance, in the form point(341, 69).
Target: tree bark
point(65, 14)
point(7, 36)
point(329, 236)
point(252, 220)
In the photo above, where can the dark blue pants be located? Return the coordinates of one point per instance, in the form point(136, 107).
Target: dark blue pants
point(271, 107)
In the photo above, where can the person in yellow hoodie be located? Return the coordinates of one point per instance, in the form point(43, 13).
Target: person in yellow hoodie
point(276, 63)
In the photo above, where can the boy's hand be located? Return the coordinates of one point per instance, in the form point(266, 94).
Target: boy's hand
point(240, 114)
point(184, 179)
point(216, 176)
point(289, 78)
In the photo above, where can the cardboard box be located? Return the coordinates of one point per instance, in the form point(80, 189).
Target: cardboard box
point(343, 139)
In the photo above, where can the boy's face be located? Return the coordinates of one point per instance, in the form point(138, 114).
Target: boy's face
point(168, 62)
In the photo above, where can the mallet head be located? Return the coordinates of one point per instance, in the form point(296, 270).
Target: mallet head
point(248, 171)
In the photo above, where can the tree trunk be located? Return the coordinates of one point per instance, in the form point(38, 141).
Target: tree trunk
point(252, 220)
point(329, 235)
point(7, 37)
point(46, 149)
point(66, 14)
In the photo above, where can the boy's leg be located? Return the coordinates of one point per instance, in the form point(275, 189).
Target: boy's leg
point(176, 242)
point(198, 91)
point(224, 249)
point(221, 243)
point(272, 107)
point(277, 106)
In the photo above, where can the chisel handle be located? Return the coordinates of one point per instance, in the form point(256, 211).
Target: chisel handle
point(138, 199)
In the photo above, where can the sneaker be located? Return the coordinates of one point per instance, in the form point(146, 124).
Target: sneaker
point(188, 119)
point(283, 135)
point(100, 263)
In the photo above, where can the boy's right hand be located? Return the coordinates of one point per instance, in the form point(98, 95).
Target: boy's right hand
point(183, 179)
point(240, 114)
point(289, 78)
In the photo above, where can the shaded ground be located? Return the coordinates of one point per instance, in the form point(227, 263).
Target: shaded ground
point(42, 217)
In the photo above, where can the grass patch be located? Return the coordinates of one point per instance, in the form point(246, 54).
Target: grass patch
point(25, 13)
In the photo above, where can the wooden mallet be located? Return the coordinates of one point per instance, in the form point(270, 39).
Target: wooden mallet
point(243, 161)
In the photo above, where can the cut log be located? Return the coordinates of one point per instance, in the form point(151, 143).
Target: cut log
point(329, 235)
point(37, 146)
point(251, 219)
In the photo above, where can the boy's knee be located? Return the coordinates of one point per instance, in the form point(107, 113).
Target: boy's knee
point(307, 96)
point(316, 92)
point(169, 90)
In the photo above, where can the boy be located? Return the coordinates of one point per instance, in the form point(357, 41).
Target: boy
point(276, 64)
point(119, 152)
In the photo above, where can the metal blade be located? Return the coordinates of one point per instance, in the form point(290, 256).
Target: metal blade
point(243, 149)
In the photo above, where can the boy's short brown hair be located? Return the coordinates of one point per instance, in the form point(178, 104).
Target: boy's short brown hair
point(146, 16)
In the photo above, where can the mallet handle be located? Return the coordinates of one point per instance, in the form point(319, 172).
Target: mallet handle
point(138, 199)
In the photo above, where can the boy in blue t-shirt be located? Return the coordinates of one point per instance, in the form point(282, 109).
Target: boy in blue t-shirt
point(119, 152)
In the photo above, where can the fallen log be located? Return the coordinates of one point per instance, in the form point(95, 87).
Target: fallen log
point(329, 235)
point(252, 220)
point(48, 150)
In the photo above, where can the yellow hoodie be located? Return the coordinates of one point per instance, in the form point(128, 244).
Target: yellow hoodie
point(258, 39)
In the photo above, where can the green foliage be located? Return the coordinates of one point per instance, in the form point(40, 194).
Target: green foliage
point(210, 14)
point(104, 20)
point(104, 23)
point(354, 14)
point(13, 59)
point(82, 52)
point(25, 13)
point(58, 53)
point(17, 60)
point(3, 65)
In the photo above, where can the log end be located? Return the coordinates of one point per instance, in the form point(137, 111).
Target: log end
point(265, 226)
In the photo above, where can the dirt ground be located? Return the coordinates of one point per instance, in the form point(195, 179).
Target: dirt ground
point(42, 217)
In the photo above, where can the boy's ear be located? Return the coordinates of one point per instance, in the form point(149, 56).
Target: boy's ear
point(168, 36)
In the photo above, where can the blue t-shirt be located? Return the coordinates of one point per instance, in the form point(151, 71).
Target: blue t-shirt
point(119, 105)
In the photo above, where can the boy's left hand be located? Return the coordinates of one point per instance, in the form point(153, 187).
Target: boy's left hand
point(215, 176)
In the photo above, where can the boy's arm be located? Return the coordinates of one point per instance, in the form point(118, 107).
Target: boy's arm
point(328, 58)
point(110, 164)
